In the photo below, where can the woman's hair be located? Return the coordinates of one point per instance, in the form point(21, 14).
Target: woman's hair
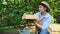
point(47, 10)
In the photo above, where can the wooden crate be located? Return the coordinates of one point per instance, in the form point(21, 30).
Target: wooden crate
point(29, 16)
point(55, 28)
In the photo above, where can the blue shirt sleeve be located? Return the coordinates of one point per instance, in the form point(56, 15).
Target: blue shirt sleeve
point(38, 14)
point(46, 23)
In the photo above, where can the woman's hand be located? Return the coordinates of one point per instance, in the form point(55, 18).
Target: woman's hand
point(38, 25)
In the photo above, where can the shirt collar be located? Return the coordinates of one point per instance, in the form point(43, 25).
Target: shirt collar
point(45, 15)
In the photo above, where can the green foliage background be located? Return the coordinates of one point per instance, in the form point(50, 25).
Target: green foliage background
point(11, 11)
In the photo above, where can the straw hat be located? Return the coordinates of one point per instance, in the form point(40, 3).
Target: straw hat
point(44, 2)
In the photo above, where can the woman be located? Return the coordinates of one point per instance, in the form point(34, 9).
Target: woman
point(45, 16)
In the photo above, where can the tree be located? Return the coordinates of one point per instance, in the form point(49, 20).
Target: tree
point(11, 11)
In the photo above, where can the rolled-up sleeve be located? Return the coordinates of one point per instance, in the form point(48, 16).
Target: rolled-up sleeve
point(46, 23)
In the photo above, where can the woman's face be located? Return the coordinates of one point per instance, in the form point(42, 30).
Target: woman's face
point(41, 8)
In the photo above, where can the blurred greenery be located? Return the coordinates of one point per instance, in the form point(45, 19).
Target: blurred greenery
point(11, 11)
point(11, 30)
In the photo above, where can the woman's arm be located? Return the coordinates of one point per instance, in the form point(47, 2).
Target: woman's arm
point(39, 26)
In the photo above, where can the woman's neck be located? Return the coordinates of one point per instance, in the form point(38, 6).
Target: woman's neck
point(43, 13)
